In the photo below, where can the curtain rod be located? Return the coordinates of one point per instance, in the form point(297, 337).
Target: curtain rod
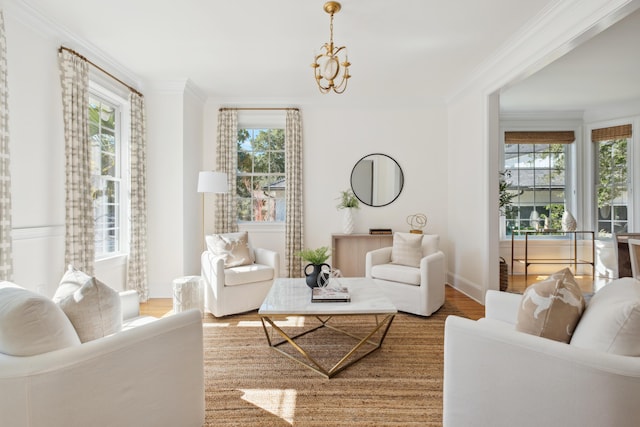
point(258, 109)
point(101, 69)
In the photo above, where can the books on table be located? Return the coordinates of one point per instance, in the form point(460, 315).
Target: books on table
point(338, 294)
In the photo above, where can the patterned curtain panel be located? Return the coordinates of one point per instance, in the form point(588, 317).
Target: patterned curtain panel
point(137, 266)
point(6, 255)
point(294, 236)
point(79, 237)
point(227, 161)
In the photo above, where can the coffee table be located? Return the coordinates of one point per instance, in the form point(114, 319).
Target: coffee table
point(292, 297)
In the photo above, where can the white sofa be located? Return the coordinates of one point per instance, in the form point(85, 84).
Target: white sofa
point(496, 376)
point(149, 374)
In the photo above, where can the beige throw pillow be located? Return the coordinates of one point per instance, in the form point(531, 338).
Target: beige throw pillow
point(407, 249)
point(93, 308)
point(232, 247)
point(551, 308)
point(31, 323)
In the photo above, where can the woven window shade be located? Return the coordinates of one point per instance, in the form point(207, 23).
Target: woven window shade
point(613, 132)
point(545, 137)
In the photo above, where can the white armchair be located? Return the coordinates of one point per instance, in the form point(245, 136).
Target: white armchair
point(238, 289)
point(496, 376)
point(413, 290)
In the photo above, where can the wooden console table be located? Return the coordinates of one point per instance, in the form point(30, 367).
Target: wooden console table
point(573, 255)
point(348, 251)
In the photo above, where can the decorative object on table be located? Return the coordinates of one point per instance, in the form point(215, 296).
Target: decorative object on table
point(348, 202)
point(504, 275)
point(330, 294)
point(328, 66)
point(534, 220)
point(568, 222)
point(382, 231)
point(417, 222)
point(316, 259)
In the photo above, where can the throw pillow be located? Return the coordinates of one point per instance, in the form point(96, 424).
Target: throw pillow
point(551, 308)
point(232, 247)
point(32, 324)
point(93, 308)
point(611, 322)
point(407, 249)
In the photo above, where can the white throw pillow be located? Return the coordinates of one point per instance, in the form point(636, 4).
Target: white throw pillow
point(407, 249)
point(32, 324)
point(611, 321)
point(93, 308)
point(232, 247)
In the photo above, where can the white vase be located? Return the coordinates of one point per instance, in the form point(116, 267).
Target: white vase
point(568, 222)
point(347, 221)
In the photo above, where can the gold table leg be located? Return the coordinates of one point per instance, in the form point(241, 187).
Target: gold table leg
point(345, 361)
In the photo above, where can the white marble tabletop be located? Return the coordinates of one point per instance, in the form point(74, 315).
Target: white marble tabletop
point(293, 296)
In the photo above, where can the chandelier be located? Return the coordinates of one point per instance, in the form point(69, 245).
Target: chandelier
point(328, 66)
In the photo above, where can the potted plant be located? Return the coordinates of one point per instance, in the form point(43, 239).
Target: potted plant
point(348, 202)
point(316, 259)
point(504, 205)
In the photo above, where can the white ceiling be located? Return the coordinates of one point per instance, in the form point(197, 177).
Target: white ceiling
point(405, 51)
point(602, 71)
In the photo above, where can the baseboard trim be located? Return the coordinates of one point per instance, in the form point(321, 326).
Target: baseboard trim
point(470, 289)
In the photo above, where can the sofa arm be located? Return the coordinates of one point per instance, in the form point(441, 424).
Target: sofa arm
point(268, 257)
point(377, 257)
point(130, 302)
point(495, 376)
point(151, 375)
point(502, 306)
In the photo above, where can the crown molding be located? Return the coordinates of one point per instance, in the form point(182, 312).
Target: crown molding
point(38, 22)
point(549, 116)
point(558, 28)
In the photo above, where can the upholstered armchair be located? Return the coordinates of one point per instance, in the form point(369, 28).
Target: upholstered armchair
point(411, 273)
point(236, 276)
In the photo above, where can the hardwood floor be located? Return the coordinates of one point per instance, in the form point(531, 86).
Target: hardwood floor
point(588, 284)
point(159, 307)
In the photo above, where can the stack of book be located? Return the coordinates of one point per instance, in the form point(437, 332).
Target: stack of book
point(340, 294)
point(380, 231)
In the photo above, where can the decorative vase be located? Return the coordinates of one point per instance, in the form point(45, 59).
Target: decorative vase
point(568, 222)
point(312, 275)
point(347, 221)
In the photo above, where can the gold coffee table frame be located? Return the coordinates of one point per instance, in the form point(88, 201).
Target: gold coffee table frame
point(346, 360)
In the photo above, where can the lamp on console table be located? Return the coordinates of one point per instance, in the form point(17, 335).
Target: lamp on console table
point(211, 182)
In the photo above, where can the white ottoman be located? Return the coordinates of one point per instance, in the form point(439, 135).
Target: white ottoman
point(187, 294)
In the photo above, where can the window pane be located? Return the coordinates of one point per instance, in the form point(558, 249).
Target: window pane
point(611, 186)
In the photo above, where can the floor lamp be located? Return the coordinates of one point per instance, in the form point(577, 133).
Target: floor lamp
point(211, 182)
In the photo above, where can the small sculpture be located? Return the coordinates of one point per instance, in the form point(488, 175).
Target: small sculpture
point(568, 222)
point(417, 222)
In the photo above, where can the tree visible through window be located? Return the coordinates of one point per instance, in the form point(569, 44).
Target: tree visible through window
point(612, 191)
point(260, 178)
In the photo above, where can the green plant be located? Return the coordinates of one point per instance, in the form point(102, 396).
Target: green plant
point(348, 200)
point(315, 256)
point(505, 196)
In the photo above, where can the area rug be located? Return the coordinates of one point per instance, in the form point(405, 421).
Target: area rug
point(247, 383)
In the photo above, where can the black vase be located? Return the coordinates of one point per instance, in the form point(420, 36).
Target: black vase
point(312, 274)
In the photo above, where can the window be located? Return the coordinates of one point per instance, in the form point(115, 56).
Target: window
point(108, 188)
point(260, 181)
point(536, 176)
point(611, 179)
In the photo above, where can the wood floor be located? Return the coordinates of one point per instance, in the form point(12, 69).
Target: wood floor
point(158, 307)
point(588, 284)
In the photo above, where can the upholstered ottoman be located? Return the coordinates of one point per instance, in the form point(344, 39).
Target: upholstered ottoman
point(187, 294)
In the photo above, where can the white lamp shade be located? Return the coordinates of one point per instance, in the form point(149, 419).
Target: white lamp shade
point(212, 182)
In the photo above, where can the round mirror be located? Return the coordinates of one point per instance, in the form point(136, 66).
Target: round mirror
point(377, 180)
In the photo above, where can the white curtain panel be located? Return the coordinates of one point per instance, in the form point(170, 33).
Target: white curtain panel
point(6, 255)
point(137, 263)
point(226, 220)
point(294, 234)
point(79, 234)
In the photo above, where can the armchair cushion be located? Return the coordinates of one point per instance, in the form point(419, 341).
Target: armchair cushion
point(396, 273)
point(551, 308)
point(245, 274)
point(94, 309)
point(611, 322)
point(232, 247)
point(32, 324)
point(407, 249)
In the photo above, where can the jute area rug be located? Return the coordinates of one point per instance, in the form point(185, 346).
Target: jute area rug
point(247, 383)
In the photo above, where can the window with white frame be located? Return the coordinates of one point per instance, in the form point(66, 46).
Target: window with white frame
point(260, 179)
point(535, 173)
point(612, 184)
point(109, 187)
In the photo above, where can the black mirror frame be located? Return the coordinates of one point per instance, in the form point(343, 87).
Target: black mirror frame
point(401, 183)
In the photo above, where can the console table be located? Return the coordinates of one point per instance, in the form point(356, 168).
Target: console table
point(573, 250)
point(348, 251)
